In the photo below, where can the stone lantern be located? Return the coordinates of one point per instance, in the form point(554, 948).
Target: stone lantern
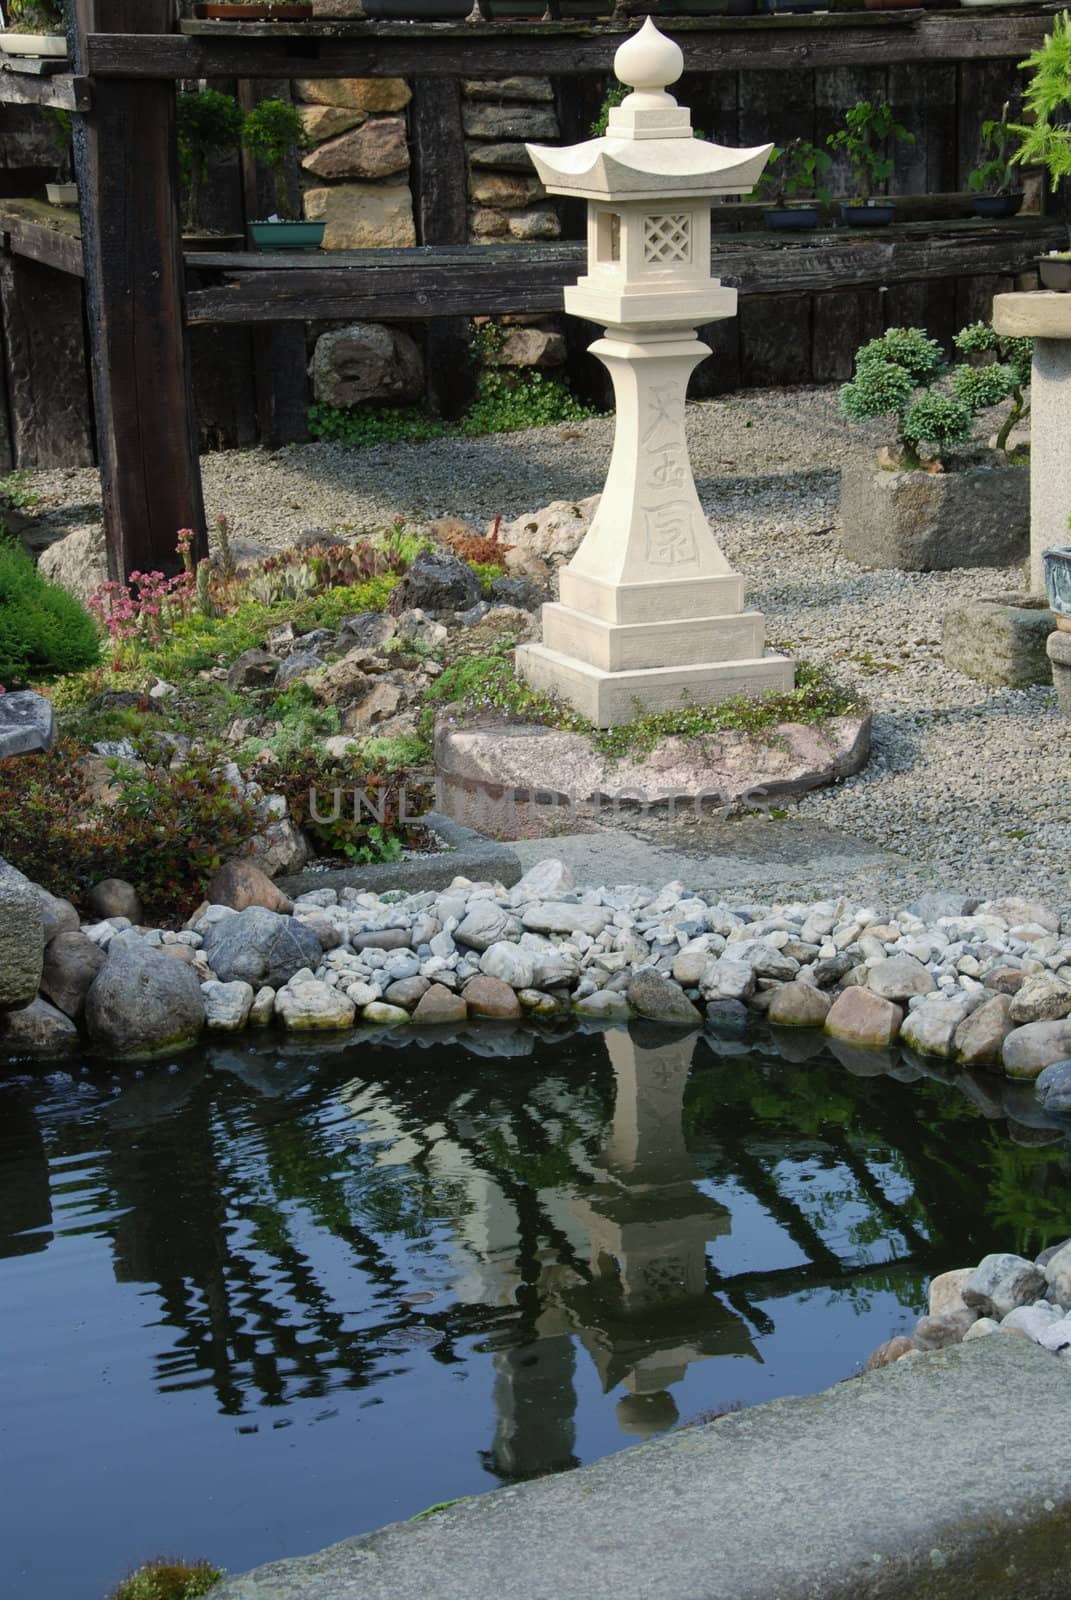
point(650, 613)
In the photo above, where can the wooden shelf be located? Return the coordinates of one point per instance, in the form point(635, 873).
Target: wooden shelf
point(366, 49)
point(26, 85)
point(480, 280)
point(49, 234)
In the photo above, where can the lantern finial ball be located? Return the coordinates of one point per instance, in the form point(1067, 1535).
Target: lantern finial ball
point(648, 61)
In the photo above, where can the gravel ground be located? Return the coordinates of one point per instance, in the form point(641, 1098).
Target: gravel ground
point(968, 784)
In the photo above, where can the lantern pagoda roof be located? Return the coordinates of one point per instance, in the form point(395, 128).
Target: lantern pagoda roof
point(649, 150)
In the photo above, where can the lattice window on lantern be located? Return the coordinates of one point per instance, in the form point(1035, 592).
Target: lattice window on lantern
point(667, 239)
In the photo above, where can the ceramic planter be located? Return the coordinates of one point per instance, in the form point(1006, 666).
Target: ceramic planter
point(572, 10)
point(33, 44)
point(791, 217)
point(892, 5)
point(694, 8)
point(287, 235)
point(872, 214)
point(1055, 272)
point(513, 10)
point(997, 205)
point(231, 11)
point(417, 10)
point(61, 194)
point(781, 7)
point(1057, 564)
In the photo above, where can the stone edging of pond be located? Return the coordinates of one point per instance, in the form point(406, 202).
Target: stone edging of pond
point(982, 985)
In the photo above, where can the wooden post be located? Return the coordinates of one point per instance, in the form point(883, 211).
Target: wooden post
point(280, 357)
point(126, 164)
point(440, 182)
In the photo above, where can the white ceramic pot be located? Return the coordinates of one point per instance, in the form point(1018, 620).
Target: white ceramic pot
point(33, 44)
point(61, 194)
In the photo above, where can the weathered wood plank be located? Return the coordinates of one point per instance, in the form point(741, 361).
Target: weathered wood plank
point(835, 90)
point(776, 338)
point(48, 384)
point(134, 281)
point(923, 99)
point(440, 186)
point(49, 234)
point(484, 280)
point(64, 90)
point(791, 44)
point(841, 321)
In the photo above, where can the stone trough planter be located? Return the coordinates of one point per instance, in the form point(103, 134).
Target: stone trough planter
point(468, 854)
point(975, 516)
point(1000, 639)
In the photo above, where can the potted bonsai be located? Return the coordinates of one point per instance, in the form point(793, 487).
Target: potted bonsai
point(273, 132)
point(1046, 141)
point(991, 181)
point(864, 141)
point(34, 28)
point(61, 191)
point(794, 172)
point(209, 125)
point(921, 510)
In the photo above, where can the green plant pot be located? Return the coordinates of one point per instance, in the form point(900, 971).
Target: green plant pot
point(287, 235)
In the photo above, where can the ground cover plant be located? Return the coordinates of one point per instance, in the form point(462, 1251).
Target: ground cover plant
point(166, 1579)
point(482, 684)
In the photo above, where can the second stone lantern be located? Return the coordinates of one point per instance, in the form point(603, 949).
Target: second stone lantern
point(651, 615)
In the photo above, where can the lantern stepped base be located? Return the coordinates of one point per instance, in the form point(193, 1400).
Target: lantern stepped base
point(626, 647)
point(610, 698)
point(665, 600)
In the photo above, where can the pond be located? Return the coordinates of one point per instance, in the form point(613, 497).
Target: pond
point(272, 1297)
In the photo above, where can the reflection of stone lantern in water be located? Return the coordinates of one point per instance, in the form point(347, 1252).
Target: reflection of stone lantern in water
point(650, 609)
point(646, 1313)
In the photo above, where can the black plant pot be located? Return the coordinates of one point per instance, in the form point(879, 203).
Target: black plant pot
point(692, 8)
point(791, 217)
point(997, 205)
point(1055, 272)
point(780, 7)
point(513, 10)
point(870, 216)
point(417, 10)
point(578, 10)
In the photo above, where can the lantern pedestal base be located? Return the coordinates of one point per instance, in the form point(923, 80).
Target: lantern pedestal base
point(610, 698)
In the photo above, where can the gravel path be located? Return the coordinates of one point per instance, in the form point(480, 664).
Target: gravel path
point(969, 785)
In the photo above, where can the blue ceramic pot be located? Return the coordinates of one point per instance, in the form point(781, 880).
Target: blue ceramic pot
point(1057, 565)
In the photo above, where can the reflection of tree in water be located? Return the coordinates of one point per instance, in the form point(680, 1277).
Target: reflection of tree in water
point(501, 1172)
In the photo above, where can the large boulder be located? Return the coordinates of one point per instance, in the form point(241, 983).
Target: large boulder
point(375, 149)
point(363, 216)
point(1036, 1045)
point(142, 1004)
point(309, 1006)
point(260, 947)
point(72, 961)
point(27, 723)
point(366, 361)
point(79, 562)
point(114, 897)
point(240, 884)
point(22, 938)
point(37, 1030)
point(974, 516)
point(553, 534)
point(437, 581)
point(658, 998)
point(860, 1017)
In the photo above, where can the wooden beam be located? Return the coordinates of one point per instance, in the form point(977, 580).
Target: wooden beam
point(64, 91)
point(485, 279)
point(40, 232)
point(440, 185)
point(355, 49)
point(134, 282)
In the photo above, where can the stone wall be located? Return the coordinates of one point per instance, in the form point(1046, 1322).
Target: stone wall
point(356, 175)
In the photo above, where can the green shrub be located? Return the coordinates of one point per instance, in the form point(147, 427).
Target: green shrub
point(937, 419)
point(507, 402)
point(44, 630)
point(349, 806)
point(164, 830)
point(164, 1579)
point(362, 425)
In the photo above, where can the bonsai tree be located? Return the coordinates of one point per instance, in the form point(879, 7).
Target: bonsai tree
point(994, 174)
point(209, 125)
point(1046, 142)
point(896, 376)
point(35, 16)
point(794, 172)
point(1004, 376)
point(864, 141)
point(273, 132)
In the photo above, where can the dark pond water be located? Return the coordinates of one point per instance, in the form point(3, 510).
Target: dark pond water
point(262, 1302)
